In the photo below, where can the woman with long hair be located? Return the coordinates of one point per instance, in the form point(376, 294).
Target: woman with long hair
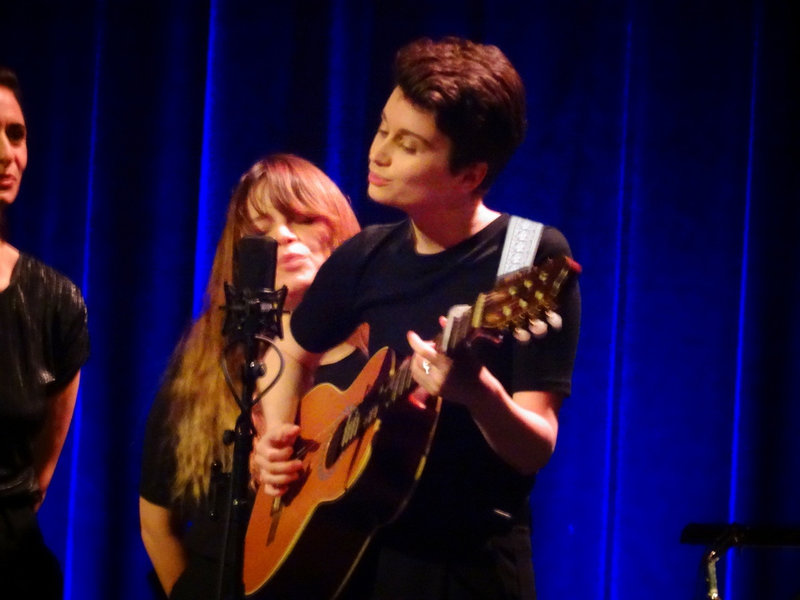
point(44, 342)
point(294, 202)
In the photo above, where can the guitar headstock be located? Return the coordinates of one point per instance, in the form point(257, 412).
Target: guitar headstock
point(524, 296)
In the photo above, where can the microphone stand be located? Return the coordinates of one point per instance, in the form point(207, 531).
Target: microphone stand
point(720, 538)
point(251, 321)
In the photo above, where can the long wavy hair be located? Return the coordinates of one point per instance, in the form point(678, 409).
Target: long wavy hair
point(201, 405)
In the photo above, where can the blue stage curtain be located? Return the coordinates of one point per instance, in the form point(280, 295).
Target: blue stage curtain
point(663, 140)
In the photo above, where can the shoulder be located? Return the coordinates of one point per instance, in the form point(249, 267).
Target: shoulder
point(374, 236)
point(57, 303)
point(37, 278)
point(362, 247)
point(553, 243)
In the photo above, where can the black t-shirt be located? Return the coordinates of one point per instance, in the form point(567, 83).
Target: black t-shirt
point(378, 278)
point(44, 341)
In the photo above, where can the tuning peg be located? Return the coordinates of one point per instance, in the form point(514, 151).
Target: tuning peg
point(538, 328)
point(523, 336)
point(554, 319)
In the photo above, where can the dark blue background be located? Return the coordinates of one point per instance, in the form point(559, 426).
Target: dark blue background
point(663, 141)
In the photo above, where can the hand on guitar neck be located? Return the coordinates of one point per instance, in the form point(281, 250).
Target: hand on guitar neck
point(520, 427)
point(438, 374)
point(456, 376)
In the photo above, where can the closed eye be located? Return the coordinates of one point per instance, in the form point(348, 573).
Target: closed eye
point(408, 148)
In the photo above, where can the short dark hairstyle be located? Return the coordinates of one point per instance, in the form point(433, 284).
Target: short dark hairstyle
point(8, 79)
point(475, 93)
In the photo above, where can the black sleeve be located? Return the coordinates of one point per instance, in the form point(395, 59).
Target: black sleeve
point(547, 363)
point(326, 316)
point(68, 333)
point(158, 452)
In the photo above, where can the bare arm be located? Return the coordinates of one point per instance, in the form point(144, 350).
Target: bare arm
point(522, 429)
point(162, 541)
point(50, 440)
point(273, 462)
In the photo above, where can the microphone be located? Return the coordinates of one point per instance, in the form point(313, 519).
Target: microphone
point(254, 261)
point(253, 307)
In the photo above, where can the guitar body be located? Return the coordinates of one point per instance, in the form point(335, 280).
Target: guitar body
point(306, 544)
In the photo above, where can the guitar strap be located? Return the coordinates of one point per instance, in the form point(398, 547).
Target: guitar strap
point(519, 250)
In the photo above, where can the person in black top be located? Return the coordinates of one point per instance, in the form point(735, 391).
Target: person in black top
point(44, 341)
point(291, 200)
point(452, 121)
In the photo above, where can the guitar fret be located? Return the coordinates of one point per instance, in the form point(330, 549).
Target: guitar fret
point(408, 380)
point(351, 428)
point(402, 382)
point(393, 385)
point(464, 328)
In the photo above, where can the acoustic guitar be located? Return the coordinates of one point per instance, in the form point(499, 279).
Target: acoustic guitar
point(364, 449)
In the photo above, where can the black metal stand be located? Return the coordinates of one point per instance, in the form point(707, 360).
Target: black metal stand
point(230, 586)
point(720, 538)
point(253, 321)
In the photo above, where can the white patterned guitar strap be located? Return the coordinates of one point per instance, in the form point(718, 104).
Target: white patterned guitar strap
point(519, 250)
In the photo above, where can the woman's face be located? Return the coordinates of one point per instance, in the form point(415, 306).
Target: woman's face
point(302, 247)
point(13, 146)
point(409, 160)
